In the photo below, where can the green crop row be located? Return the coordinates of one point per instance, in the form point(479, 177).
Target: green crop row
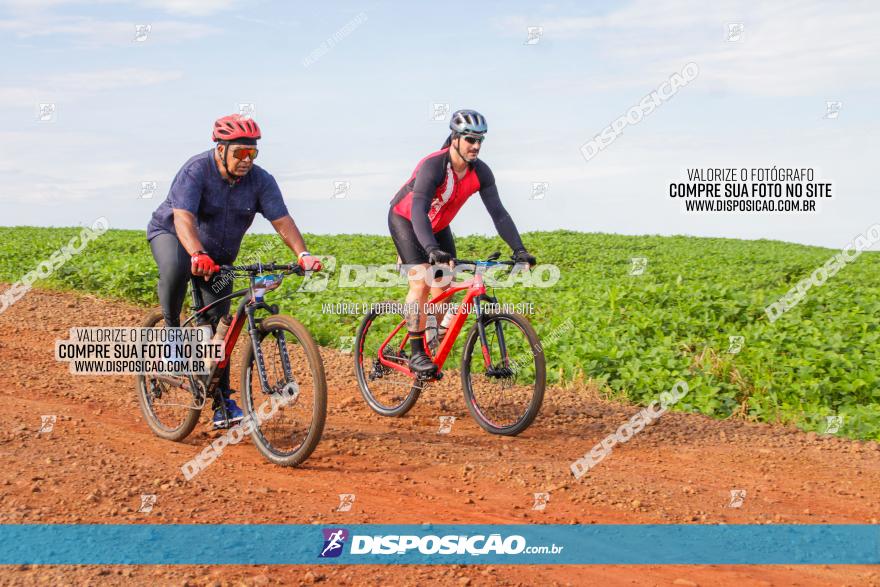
point(633, 336)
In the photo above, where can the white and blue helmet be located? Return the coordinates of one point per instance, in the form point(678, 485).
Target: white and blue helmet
point(468, 122)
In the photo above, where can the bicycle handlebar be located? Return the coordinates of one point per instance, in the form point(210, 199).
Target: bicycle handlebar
point(257, 268)
point(488, 262)
point(484, 263)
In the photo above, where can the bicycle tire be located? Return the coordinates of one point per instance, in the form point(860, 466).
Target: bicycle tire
point(319, 388)
point(375, 404)
point(189, 421)
point(540, 375)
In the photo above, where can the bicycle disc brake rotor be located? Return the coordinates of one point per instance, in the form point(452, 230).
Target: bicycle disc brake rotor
point(156, 391)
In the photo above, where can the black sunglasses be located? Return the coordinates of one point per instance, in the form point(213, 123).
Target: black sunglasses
point(473, 140)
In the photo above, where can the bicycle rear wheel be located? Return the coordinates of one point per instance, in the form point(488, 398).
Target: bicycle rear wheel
point(171, 412)
point(505, 397)
point(286, 422)
point(387, 391)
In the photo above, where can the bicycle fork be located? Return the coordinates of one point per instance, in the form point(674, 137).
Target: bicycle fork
point(258, 351)
point(504, 367)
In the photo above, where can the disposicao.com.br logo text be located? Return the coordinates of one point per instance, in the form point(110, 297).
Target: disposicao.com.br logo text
point(392, 544)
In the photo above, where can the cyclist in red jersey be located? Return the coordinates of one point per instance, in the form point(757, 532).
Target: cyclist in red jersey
point(423, 208)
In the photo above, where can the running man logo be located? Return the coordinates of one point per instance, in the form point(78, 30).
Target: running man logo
point(439, 111)
point(540, 189)
point(346, 344)
point(541, 501)
point(47, 112)
point(247, 109)
point(334, 540)
point(148, 500)
point(735, 32)
point(141, 32)
point(446, 423)
point(639, 264)
point(346, 500)
point(737, 497)
point(317, 281)
point(832, 109)
point(534, 35)
point(736, 344)
point(341, 189)
point(47, 424)
point(832, 424)
point(148, 189)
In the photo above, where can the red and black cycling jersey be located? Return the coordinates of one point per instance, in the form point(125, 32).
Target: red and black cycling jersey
point(434, 194)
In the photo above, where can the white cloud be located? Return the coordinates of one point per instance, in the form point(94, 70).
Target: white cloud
point(60, 167)
point(191, 7)
point(72, 86)
point(182, 7)
point(112, 79)
point(368, 181)
point(89, 32)
point(62, 186)
point(42, 5)
point(788, 48)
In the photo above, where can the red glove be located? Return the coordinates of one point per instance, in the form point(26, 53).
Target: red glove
point(202, 264)
point(309, 263)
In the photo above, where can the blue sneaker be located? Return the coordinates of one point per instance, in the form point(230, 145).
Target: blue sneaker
point(235, 415)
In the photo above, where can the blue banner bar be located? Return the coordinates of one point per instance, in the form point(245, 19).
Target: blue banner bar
point(439, 544)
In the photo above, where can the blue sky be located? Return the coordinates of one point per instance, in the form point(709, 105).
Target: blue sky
point(128, 112)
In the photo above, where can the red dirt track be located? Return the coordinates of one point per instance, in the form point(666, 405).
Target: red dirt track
point(101, 456)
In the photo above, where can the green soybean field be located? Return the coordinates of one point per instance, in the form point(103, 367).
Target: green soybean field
point(687, 308)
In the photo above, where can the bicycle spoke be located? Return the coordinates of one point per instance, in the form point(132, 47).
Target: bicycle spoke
point(502, 393)
point(168, 402)
point(387, 390)
point(170, 411)
point(286, 430)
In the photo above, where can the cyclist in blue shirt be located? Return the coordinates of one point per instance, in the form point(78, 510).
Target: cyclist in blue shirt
point(212, 202)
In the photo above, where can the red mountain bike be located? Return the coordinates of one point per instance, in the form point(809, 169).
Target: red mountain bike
point(503, 373)
point(280, 361)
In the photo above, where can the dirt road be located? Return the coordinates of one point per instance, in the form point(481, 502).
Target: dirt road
point(101, 457)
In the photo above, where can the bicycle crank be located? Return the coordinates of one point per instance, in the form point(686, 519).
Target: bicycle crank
point(429, 376)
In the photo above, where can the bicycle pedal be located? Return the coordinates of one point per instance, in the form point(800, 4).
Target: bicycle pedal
point(430, 376)
point(221, 425)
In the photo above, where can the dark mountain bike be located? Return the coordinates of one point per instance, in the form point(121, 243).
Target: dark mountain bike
point(281, 367)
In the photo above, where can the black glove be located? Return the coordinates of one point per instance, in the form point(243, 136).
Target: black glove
point(436, 256)
point(523, 256)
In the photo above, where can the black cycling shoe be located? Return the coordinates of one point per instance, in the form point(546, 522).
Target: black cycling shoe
point(422, 365)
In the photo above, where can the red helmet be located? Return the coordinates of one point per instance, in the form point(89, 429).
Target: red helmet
point(233, 127)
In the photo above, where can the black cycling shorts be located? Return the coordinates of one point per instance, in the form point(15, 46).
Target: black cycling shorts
point(408, 247)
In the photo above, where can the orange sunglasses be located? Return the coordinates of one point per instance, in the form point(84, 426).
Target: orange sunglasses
point(245, 152)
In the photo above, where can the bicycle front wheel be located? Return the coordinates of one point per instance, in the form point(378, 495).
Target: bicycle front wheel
point(505, 396)
point(285, 420)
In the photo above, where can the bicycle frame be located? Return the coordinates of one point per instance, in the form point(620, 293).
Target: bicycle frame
point(476, 292)
point(245, 312)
